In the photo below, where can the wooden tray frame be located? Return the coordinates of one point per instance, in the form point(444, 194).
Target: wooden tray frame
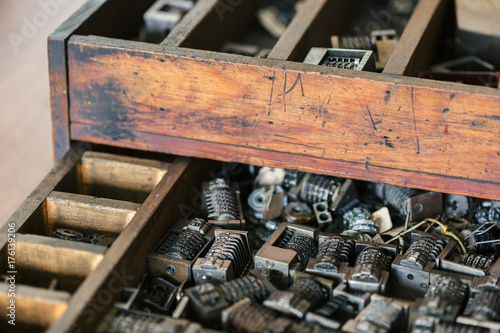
point(103, 272)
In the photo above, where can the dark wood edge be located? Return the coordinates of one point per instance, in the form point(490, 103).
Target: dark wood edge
point(125, 260)
point(420, 39)
point(189, 22)
point(339, 168)
point(202, 55)
point(59, 102)
point(40, 193)
point(312, 26)
point(58, 75)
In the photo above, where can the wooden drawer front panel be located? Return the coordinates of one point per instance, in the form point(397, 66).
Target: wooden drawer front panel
point(418, 132)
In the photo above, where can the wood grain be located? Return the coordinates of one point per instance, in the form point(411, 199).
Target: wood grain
point(36, 308)
point(125, 261)
point(412, 128)
point(421, 40)
point(92, 18)
point(40, 258)
point(235, 153)
point(119, 177)
point(312, 26)
point(88, 214)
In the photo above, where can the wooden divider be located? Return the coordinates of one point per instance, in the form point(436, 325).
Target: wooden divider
point(312, 26)
point(43, 263)
point(420, 41)
point(30, 215)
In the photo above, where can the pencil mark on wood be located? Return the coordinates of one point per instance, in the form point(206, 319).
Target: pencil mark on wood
point(414, 121)
point(301, 86)
point(490, 117)
point(371, 118)
point(387, 97)
point(271, 97)
point(294, 84)
point(284, 95)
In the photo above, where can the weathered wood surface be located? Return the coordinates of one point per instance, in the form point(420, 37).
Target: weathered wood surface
point(125, 262)
point(88, 214)
point(312, 26)
point(35, 307)
point(111, 18)
point(119, 177)
point(58, 75)
point(211, 23)
point(370, 126)
point(421, 40)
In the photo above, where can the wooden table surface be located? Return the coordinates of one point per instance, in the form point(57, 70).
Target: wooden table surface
point(25, 125)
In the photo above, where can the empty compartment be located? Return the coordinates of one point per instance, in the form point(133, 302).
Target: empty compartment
point(39, 260)
point(35, 308)
point(91, 216)
point(119, 177)
point(114, 176)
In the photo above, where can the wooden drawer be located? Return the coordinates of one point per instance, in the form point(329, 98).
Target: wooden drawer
point(184, 97)
point(130, 202)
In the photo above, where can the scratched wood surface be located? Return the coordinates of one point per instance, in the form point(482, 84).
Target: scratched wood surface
point(412, 128)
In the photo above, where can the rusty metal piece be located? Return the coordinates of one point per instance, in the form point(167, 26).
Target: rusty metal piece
point(298, 212)
point(228, 257)
point(288, 249)
point(174, 256)
point(222, 203)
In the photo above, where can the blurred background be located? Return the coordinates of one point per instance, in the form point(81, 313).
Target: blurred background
point(25, 125)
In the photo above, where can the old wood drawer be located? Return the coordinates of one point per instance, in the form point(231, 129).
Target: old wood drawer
point(184, 97)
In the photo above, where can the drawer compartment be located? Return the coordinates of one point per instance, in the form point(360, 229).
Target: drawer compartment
point(68, 243)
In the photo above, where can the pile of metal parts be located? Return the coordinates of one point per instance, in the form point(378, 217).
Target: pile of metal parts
point(313, 253)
